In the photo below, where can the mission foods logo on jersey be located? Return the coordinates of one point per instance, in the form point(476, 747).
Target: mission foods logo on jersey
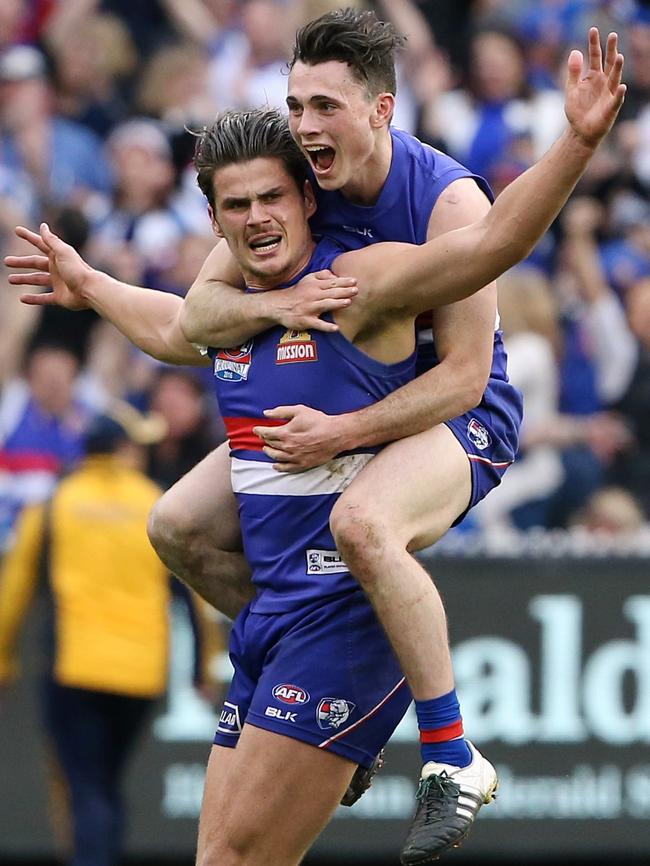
point(233, 365)
point(296, 347)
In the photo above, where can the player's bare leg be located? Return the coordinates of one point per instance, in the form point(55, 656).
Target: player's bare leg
point(267, 800)
point(194, 529)
point(406, 499)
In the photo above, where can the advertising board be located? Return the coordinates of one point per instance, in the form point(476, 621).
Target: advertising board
point(552, 661)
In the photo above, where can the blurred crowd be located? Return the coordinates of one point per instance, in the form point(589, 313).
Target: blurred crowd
point(96, 97)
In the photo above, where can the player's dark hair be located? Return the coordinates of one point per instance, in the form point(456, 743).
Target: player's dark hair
point(239, 136)
point(355, 37)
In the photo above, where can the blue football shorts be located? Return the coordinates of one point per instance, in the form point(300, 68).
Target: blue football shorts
point(324, 674)
point(489, 435)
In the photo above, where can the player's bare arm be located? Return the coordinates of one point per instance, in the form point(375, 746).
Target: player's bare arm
point(161, 325)
point(148, 318)
point(217, 312)
point(410, 279)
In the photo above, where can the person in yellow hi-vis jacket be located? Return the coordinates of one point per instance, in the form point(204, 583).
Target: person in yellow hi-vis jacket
point(109, 596)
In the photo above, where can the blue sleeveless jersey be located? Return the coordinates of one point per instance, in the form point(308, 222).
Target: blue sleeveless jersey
point(285, 518)
point(418, 175)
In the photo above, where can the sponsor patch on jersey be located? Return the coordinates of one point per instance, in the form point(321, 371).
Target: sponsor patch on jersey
point(233, 365)
point(325, 562)
point(333, 712)
point(229, 720)
point(478, 435)
point(296, 347)
point(290, 694)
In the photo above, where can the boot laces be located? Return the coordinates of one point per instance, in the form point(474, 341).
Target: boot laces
point(435, 792)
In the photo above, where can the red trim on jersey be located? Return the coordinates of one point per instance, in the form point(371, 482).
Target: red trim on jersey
point(441, 735)
point(240, 432)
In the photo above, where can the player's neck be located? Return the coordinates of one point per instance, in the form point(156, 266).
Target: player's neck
point(366, 185)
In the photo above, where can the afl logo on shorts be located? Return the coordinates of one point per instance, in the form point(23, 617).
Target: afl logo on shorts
point(289, 694)
point(232, 365)
point(333, 712)
point(478, 435)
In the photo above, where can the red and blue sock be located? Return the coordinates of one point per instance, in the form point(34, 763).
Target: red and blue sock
point(441, 731)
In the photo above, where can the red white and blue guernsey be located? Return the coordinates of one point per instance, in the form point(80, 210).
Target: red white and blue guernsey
point(418, 174)
point(310, 658)
point(284, 517)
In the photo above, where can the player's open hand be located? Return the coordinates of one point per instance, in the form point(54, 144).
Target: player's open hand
point(308, 439)
point(593, 97)
point(300, 307)
point(56, 264)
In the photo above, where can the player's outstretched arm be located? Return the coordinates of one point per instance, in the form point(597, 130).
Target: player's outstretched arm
point(455, 265)
point(216, 313)
point(148, 318)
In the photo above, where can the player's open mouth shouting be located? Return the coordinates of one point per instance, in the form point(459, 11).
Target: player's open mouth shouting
point(321, 157)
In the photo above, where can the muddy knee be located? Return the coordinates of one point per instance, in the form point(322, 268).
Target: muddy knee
point(360, 539)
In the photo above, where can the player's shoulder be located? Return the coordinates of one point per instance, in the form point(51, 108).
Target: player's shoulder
point(424, 156)
point(327, 250)
point(430, 168)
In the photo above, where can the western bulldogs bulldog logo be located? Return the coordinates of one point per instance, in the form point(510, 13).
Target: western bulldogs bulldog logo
point(333, 712)
point(233, 365)
point(478, 435)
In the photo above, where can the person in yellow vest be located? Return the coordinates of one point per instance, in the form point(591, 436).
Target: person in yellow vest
point(109, 620)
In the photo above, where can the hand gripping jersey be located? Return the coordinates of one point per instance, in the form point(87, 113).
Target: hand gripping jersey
point(285, 517)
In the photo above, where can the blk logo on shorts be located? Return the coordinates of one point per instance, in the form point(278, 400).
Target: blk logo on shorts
point(478, 435)
point(333, 712)
point(281, 715)
point(290, 694)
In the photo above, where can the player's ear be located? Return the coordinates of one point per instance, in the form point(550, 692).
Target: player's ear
point(216, 228)
point(310, 199)
point(383, 111)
